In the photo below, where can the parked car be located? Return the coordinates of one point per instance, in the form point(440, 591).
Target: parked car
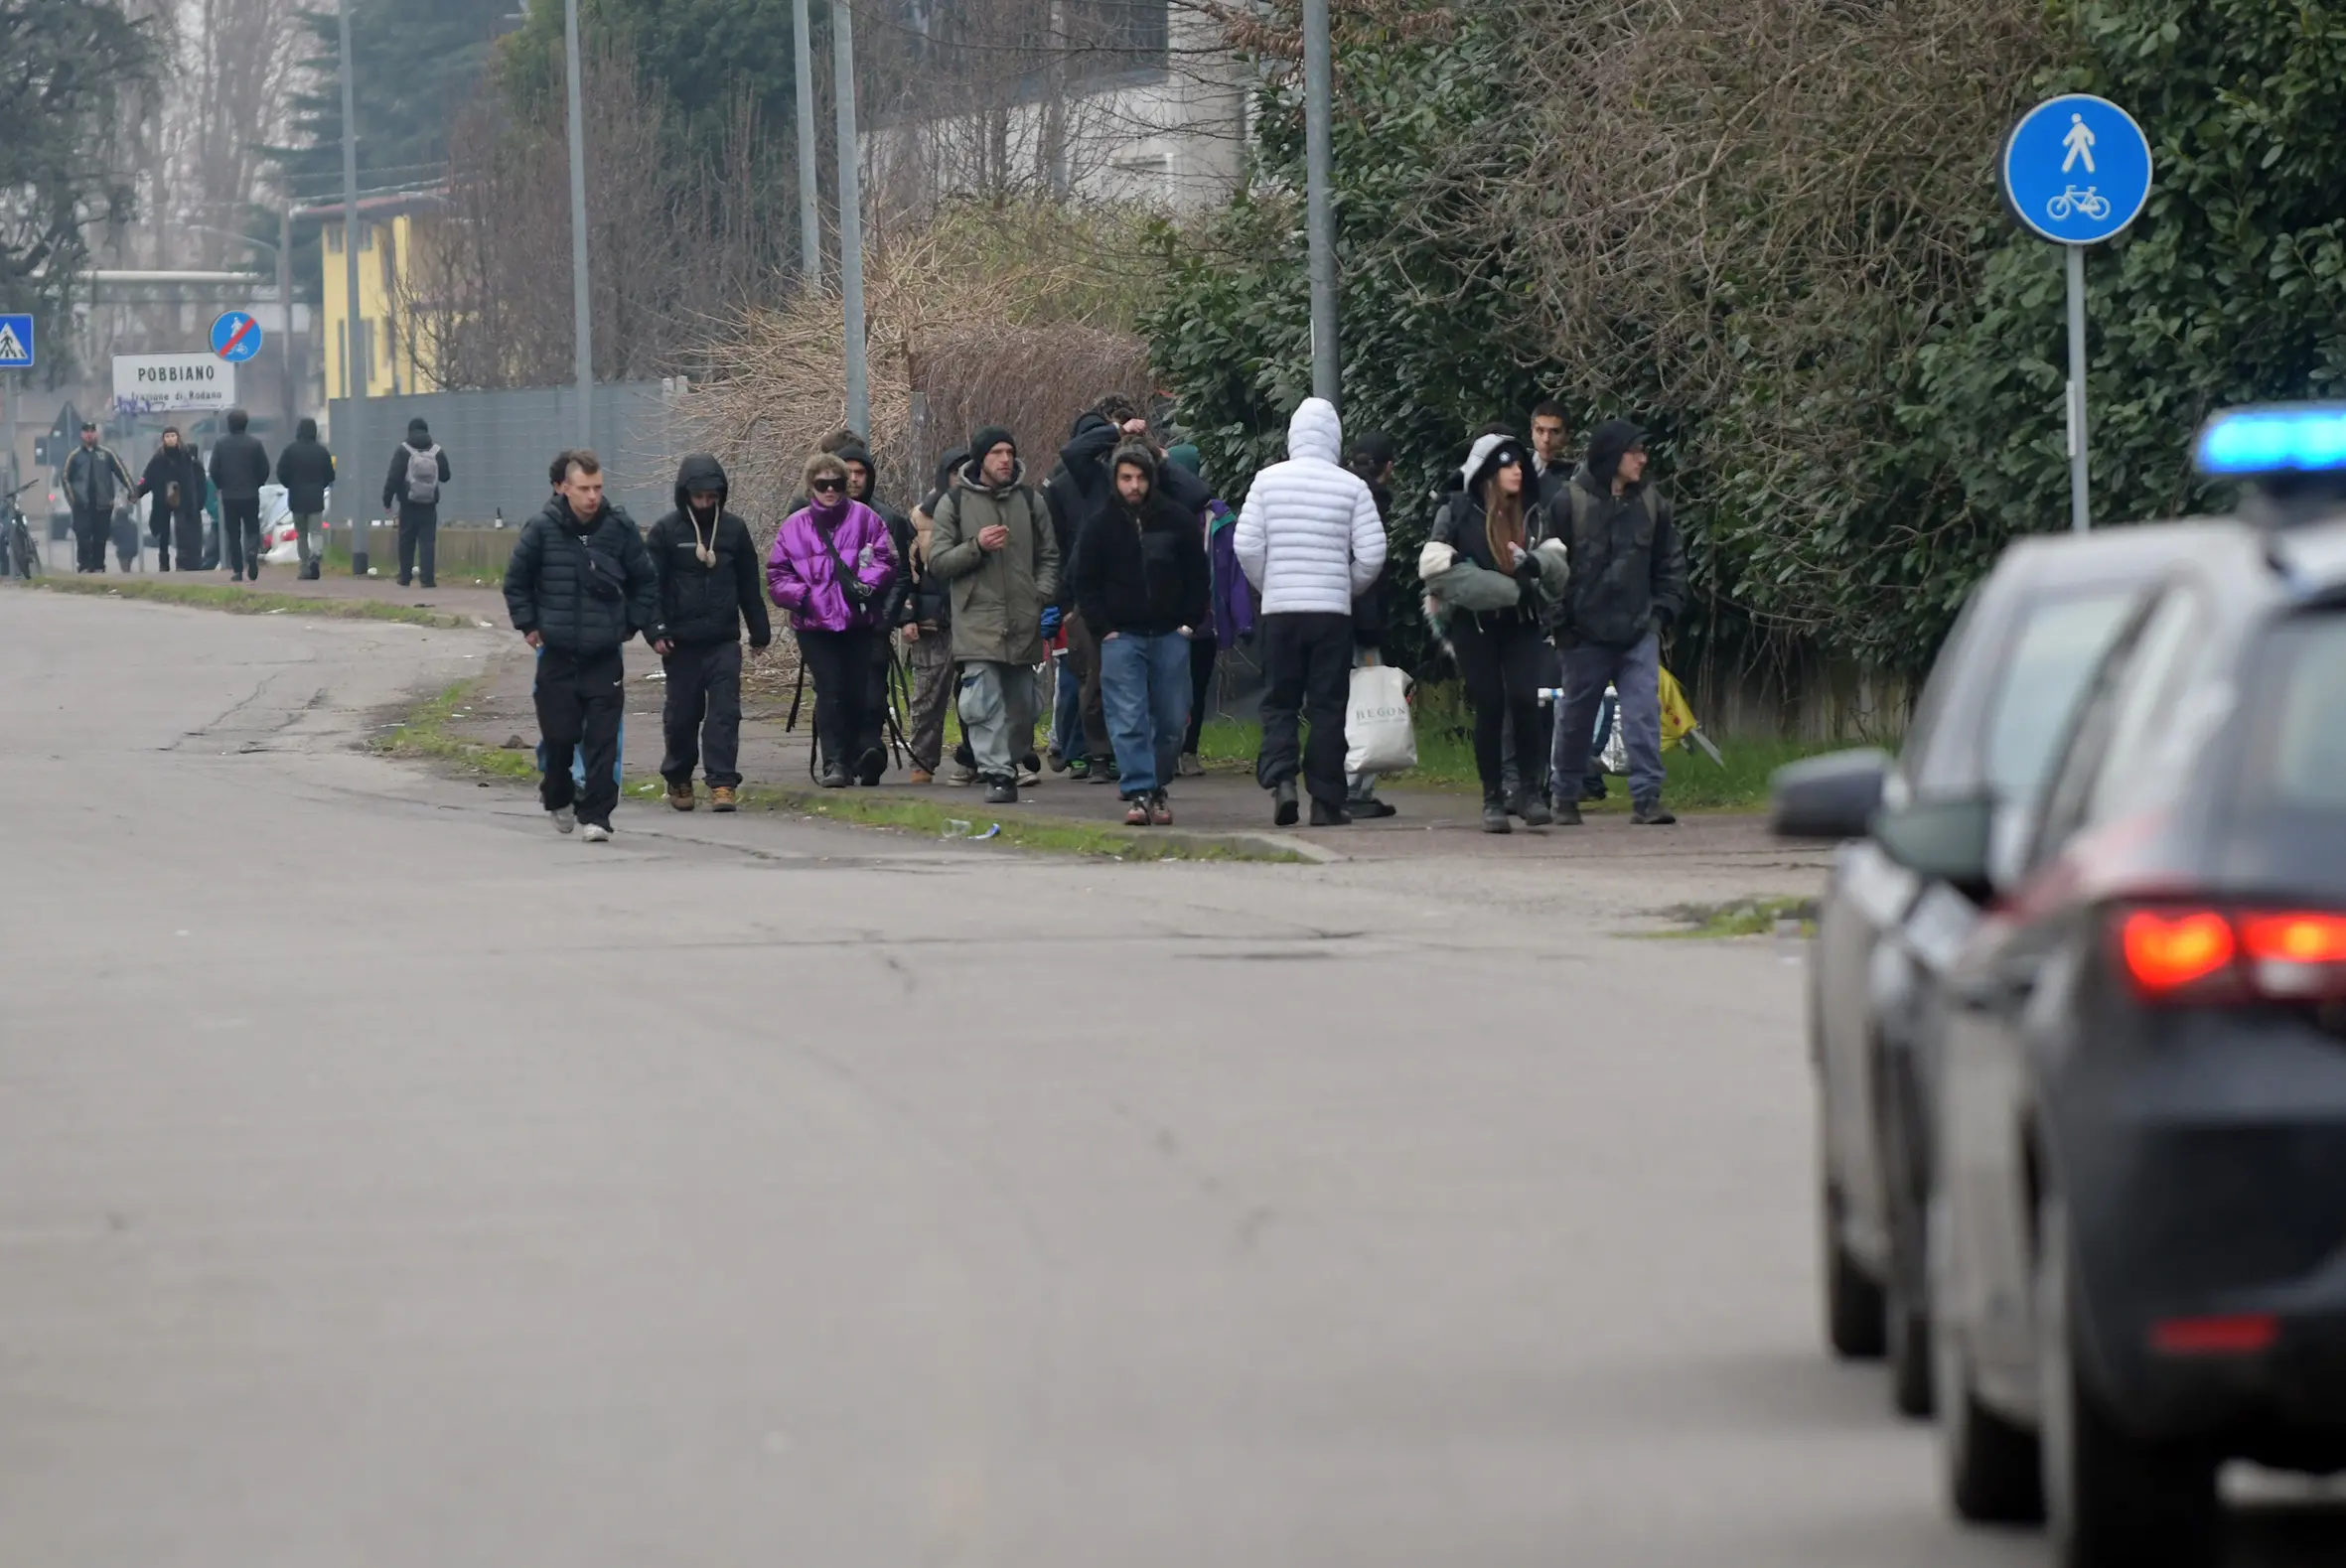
point(1994, 713)
point(2138, 1197)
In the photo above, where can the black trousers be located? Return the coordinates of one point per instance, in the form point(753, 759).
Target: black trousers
point(871, 742)
point(419, 542)
point(840, 663)
point(239, 535)
point(1201, 649)
point(1308, 658)
point(92, 527)
point(702, 716)
point(579, 702)
point(1504, 660)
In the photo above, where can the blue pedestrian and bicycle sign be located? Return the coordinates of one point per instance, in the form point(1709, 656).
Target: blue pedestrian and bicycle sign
point(15, 342)
point(235, 336)
point(2077, 169)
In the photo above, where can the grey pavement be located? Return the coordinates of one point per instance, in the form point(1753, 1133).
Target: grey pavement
point(386, 1180)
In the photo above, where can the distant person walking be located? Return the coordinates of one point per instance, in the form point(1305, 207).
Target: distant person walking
point(709, 584)
point(1629, 584)
point(419, 472)
point(239, 468)
point(306, 469)
point(994, 543)
point(173, 486)
point(1143, 588)
point(579, 585)
point(93, 477)
point(1309, 538)
point(831, 567)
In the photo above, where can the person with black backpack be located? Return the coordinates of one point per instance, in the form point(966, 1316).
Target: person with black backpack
point(419, 472)
point(1628, 588)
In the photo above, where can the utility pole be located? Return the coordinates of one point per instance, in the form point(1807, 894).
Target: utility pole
point(810, 218)
point(581, 310)
point(288, 359)
point(1319, 89)
point(354, 359)
point(859, 398)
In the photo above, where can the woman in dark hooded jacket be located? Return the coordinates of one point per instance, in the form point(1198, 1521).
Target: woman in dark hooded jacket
point(1502, 654)
point(173, 483)
point(709, 584)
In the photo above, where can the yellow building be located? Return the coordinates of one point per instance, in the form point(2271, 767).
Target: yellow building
point(395, 233)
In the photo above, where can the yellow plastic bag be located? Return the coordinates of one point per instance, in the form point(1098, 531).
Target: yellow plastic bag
point(1679, 722)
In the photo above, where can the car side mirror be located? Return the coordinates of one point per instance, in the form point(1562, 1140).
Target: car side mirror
point(1832, 798)
point(1947, 840)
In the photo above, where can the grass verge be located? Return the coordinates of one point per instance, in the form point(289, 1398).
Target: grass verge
point(423, 733)
point(249, 601)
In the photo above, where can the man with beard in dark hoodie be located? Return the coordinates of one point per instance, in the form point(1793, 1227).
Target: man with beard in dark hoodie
point(709, 582)
point(579, 585)
point(863, 479)
point(1629, 585)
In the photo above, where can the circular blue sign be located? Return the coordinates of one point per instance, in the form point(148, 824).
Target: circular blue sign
point(235, 336)
point(2077, 169)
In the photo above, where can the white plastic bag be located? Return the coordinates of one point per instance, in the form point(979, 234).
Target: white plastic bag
point(1377, 735)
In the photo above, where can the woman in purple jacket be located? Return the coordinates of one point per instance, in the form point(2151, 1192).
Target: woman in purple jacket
point(831, 568)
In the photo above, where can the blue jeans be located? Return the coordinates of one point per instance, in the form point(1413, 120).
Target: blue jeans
point(1144, 686)
point(1636, 673)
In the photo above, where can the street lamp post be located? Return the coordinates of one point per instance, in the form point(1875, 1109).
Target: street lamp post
point(353, 362)
point(581, 310)
point(860, 402)
point(810, 222)
point(1319, 203)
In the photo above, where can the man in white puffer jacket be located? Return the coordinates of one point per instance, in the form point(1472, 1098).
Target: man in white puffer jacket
point(1311, 542)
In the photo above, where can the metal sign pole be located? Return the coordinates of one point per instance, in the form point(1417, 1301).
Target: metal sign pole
point(809, 223)
point(859, 403)
point(1319, 200)
point(582, 315)
point(2080, 511)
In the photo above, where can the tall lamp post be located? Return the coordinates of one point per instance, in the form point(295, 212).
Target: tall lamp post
point(1319, 207)
point(581, 312)
point(860, 400)
point(353, 356)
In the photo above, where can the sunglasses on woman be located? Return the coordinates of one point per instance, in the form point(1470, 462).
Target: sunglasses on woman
point(830, 487)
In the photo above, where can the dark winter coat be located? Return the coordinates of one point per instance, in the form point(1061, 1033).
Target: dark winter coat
point(92, 475)
point(168, 467)
point(998, 595)
point(1142, 572)
point(305, 468)
point(394, 487)
point(1629, 565)
point(1367, 607)
point(584, 588)
point(706, 601)
point(239, 465)
point(1080, 483)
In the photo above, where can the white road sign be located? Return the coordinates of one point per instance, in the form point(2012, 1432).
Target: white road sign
point(151, 384)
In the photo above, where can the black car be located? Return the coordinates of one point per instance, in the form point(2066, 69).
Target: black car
point(2139, 1226)
point(1992, 717)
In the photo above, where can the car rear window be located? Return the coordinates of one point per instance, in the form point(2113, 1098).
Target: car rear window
point(2303, 742)
point(2061, 642)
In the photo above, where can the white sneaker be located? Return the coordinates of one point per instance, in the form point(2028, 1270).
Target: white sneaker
point(565, 820)
point(595, 834)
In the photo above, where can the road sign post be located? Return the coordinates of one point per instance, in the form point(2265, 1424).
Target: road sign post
point(2076, 171)
point(15, 354)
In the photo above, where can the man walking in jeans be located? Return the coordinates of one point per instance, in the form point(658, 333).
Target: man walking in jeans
point(1629, 582)
point(579, 585)
point(1311, 542)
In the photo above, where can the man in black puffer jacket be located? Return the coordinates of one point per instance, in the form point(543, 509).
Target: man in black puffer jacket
point(306, 469)
point(579, 585)
point(239, 468)
point(709, 582)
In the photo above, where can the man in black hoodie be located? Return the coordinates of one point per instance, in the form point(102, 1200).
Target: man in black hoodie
point(419, 472)
point(709, 582)
point(1629, 585)
point(579, 585)
point(305, 468)
point(239, 468)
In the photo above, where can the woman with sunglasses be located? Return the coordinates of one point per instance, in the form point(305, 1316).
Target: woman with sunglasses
point(1491, 522)
point(831, 566)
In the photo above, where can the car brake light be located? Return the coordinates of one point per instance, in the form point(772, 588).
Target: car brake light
point(2243, 1334)
point(2300, 953)
point(2166, 950)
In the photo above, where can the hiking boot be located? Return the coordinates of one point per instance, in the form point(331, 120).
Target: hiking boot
point(1566, 814)
point(1594, 789)
point(1078, 769)
point(922, 775)
point(1325, 815)
point(1137, 812)
point(1056, 760)
point(1030, 776)
point(1652, 814)
point(721, 797)
point(1369, 809)
point(1101, 772)
point(595, 833)
point(833, 777)
point(1188, 766)
point(1003, 792)
point(680, 796)
point(565, 820)
point(1531, 809)
point(1284, 809)
point(962, 778)
point(1495, 814)
point(1160, 810)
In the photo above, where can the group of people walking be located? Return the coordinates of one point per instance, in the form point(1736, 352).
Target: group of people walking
point(179, 482)
point(1549, 582)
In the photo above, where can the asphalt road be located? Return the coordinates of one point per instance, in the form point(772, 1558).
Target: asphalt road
point(386, 1180)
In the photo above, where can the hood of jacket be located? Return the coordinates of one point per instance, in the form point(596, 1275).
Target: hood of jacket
point(1315, 431)
point(1482, 460)
point(700, 470)
point(972, 477)
point(1606, 445)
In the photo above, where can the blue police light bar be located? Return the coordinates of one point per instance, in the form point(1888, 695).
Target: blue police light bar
point(2286, 438)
